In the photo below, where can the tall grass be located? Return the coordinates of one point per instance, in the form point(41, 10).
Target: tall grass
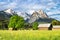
point(29, 35)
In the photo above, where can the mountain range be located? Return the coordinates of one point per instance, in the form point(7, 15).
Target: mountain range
point(38, 16)
point(6, 14)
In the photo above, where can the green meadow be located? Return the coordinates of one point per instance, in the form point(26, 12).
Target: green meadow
point(29, 35)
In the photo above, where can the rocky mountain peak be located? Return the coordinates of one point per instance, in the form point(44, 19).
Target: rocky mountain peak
point(6, 14)
point(42, 14)
point(37, 15)
point(9, 11)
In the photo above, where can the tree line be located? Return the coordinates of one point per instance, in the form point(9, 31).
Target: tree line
point(18, 23)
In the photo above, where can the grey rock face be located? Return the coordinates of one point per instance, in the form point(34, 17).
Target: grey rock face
point(42, 14)
point(39, 16)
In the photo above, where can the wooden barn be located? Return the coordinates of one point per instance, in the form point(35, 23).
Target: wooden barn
point(56, 27)
point(45, 26)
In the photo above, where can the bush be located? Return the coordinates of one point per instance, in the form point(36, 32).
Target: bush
point(55, 22)
point(35, 26)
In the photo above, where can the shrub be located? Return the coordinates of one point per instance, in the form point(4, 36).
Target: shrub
point(35, 26)
point(55, 22)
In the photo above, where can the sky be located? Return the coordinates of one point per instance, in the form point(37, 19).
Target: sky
point(51, 7)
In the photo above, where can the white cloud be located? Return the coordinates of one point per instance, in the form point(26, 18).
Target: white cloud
point(53, 12)
point(2, 3)
point(33, 5)
point(49, 13)
point(30, 11)
point(11, 5)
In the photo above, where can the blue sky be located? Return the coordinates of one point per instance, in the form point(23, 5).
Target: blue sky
point(49, 6)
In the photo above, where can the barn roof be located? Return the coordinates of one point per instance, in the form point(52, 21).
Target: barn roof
point(56, 26)
point(44, 25)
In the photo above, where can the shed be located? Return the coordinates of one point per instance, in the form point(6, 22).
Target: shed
point(56, 27)
point(45, 26)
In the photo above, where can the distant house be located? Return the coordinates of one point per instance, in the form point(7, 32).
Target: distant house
point(45, 26)
point(56, 27)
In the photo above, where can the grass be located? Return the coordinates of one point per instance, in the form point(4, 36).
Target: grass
point(29, 35)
